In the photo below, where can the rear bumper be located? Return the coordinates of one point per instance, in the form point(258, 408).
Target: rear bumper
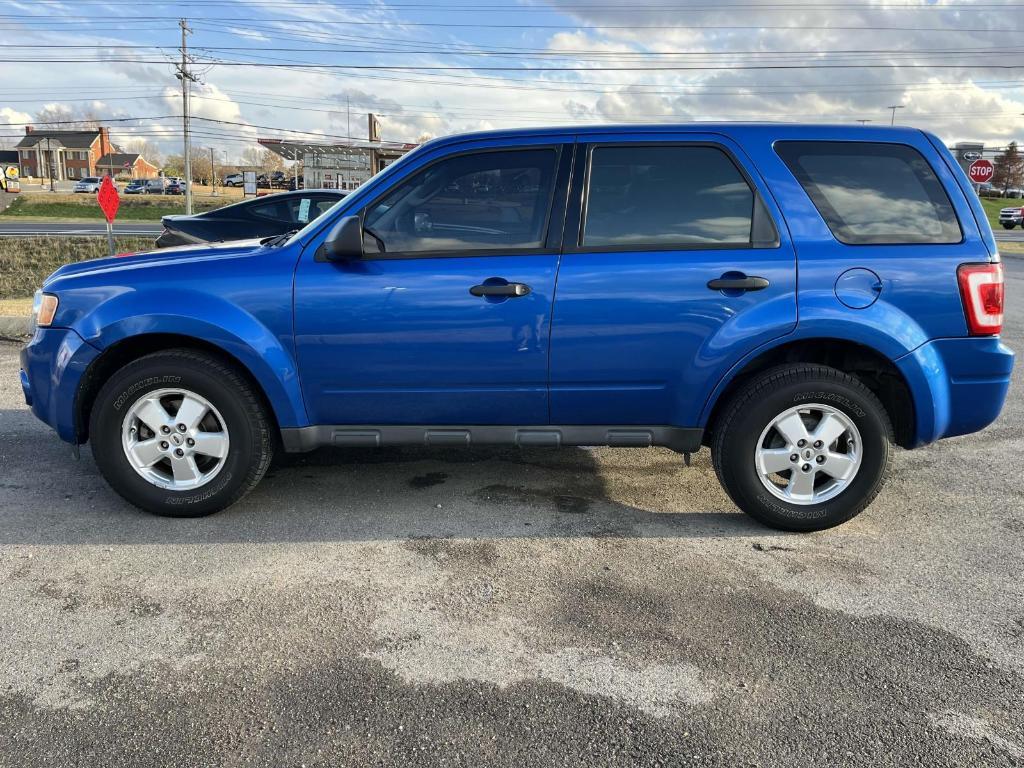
point(959, 385)
point(52, 366)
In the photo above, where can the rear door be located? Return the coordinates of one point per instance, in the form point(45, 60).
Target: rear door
point(676, 263)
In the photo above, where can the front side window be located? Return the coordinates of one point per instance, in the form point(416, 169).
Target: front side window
point(873, 193)
point(667, 196)
point(473, 202)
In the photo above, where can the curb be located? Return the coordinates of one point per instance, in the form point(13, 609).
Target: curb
point(15, 326)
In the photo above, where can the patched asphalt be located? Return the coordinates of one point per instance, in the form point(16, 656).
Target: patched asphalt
point(512, 608)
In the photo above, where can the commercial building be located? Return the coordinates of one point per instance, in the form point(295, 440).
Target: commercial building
point(340, 165)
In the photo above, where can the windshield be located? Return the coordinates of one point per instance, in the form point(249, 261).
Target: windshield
point(314, 223)
point(325, 216)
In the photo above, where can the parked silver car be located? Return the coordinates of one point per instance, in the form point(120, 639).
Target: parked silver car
point(88, 184)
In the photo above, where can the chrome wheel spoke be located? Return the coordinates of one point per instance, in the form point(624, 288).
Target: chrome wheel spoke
point(792, 428)
point(212, 444)
point(151, 413)
point(829, 429)
point(801, 485)
point(184, 469)
point(774, 460)
point(146, 453)
point(839, 465)
point(191, 412)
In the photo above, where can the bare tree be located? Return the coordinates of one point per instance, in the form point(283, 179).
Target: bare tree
point(147, 149)
point(262, 160)
point(65, 118)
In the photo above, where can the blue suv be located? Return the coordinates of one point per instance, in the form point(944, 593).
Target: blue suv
point(798, 298)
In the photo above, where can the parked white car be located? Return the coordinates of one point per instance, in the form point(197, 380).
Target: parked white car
point(88, 184)
point(234, 180)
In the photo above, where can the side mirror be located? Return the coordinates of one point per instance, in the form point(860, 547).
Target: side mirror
point(345, 240)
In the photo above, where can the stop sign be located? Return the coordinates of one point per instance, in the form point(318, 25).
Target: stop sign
point(108, 198)
point(981, 171)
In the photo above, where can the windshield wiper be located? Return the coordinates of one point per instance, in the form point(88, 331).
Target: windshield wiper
point(279, 239)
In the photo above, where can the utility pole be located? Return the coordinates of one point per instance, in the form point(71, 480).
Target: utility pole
point(187, 78)
point(213, 173)
point(49, 163)
point(894, 107)
point(348, 112)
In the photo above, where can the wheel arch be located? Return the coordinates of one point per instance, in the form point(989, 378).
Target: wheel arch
point(120, 353)
point(877, 371)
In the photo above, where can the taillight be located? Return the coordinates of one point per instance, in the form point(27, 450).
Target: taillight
point(981, 288)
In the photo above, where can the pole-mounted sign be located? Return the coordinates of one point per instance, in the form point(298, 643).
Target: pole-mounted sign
point(109, 202)
point(981, 171)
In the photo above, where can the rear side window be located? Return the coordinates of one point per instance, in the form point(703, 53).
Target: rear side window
point(670, 197)
point(873, 194)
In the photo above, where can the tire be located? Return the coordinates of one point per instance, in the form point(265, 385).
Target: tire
point(1009, 226)
point(235, 418)
point(810, 392)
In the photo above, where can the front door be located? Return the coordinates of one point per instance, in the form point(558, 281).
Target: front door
point(446, 320)
point(675, 266)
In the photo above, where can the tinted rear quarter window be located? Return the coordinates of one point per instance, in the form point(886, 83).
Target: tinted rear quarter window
point(873, 193)
point(666, 196)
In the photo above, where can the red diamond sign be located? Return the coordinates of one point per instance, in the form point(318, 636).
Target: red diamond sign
point(108, 198)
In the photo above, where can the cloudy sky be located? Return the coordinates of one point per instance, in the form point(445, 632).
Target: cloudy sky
point(304, 69)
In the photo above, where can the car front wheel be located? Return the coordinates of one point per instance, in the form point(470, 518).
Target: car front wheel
point(1008, 225)
point(180, 433)
point(803, 447)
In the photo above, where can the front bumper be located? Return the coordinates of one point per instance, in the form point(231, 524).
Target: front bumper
point(959, 385)
point(52, 366)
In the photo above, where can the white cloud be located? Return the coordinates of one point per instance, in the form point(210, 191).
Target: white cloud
point(957, 103)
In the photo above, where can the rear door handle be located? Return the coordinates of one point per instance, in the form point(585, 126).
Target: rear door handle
point(513, 290)
point(738, 284)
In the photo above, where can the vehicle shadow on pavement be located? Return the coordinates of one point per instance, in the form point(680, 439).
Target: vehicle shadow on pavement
point(47, 497)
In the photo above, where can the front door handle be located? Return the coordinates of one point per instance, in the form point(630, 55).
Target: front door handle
point(738, 284)
point(513, 290)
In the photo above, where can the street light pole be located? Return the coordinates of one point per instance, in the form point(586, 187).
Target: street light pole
point(894, 107)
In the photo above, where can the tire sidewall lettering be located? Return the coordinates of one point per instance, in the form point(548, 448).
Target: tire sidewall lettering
point(151, 382)
point(853, 408)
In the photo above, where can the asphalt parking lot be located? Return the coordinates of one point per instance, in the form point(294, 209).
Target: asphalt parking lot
point(512, 608)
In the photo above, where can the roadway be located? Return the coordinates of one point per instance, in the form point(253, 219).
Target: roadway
point(14, 228)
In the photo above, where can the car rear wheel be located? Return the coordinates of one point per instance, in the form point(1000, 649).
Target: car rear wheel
point(1008, 226)
point(803, 447)
point(180, 433)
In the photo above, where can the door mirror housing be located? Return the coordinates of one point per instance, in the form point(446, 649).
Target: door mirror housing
point(345, 240)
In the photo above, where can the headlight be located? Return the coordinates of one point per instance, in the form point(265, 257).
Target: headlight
point(44, 307)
